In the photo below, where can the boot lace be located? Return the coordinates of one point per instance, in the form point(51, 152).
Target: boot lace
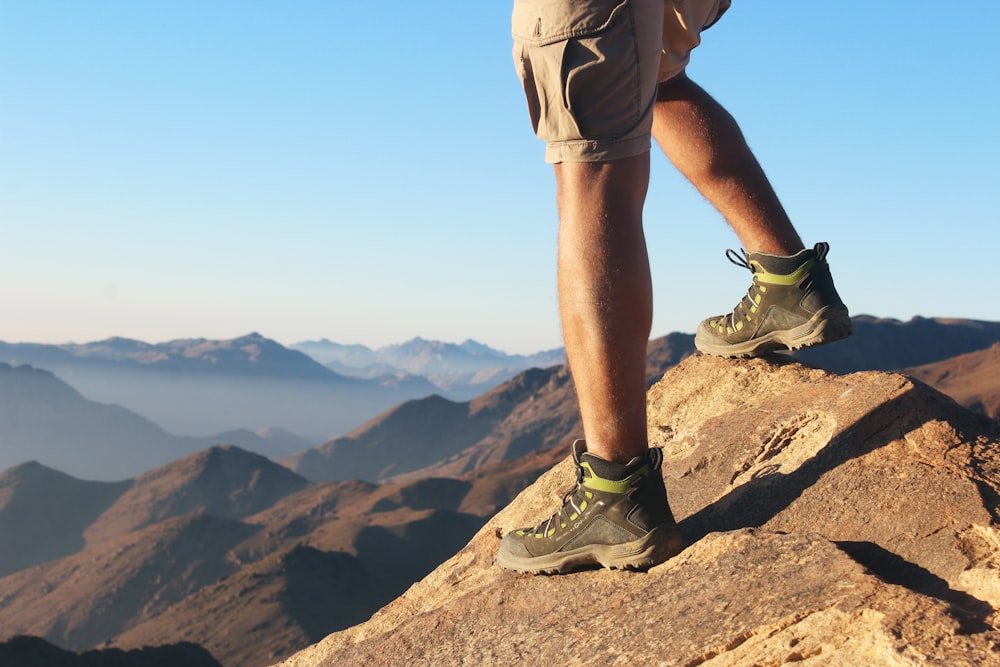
point(748, 304)
point(569, 511)
point(578, 498)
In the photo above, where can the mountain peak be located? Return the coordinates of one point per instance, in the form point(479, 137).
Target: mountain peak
point(224, 481)
point(31, 472)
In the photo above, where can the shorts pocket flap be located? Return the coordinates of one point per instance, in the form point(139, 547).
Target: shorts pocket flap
point(542, 22)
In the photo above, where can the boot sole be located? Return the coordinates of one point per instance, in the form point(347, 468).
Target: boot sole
point(656, 546)
point(826, 326)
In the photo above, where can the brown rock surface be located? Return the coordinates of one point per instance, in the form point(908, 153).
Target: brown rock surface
point(839, 520)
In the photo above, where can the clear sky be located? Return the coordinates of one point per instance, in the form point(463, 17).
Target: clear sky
point(366, 172)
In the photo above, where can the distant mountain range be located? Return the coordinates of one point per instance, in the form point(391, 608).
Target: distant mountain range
point(277, 558)
point(880, 344)
point(255, 393)
point(197, 387)
point(459, 371)
point(537, 409)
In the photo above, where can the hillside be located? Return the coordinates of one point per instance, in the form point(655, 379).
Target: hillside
point(43, 419)
point(79, 601)
point(447, 435)
point(972, 379)
point(882, 344)
point(224, 482)
point(841, 520)
point(44, 513)
point(228, 535)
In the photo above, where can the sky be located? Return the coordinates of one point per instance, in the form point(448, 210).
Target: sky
point(367, 173)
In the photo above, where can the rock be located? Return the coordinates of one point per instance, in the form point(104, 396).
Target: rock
point(845, 520)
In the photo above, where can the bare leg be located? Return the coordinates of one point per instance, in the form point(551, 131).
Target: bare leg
point(605, 299)
point(704, 142)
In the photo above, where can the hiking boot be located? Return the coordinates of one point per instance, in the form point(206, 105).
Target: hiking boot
point(792, 304)
point(616, 517)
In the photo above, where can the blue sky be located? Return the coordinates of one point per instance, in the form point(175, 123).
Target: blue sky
point(322, 169)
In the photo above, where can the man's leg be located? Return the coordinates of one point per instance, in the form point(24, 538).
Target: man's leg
point(704, 142)
point(792, 302)
point(618, 515)
point(605, 299)
point(591, 97)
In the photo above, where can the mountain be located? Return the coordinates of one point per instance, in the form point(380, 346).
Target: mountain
point(268, 609)
point(251, 355)
point(200, 387)
point(296, 596)
point(459, 371)
point(534, 410)
point(79, 601)
point(326, 351)
point(44, 419)
point(887, 344)
point(44, 513)
point(835, 520)
point(224, 481)
point(972, 379)
point(426, 357)
point(321, 557)
point(224, 535)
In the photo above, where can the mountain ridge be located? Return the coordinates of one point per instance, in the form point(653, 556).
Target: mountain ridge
point(460, 371)
point(362, 528)
point(198, 387)
point(534, 410)
point(33, 519)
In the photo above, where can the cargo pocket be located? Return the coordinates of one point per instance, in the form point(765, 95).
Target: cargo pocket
point(579, 64)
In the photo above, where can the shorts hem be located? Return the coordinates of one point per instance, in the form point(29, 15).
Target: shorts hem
point(588, 150)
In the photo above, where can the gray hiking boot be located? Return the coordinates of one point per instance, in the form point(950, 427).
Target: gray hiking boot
point(791, 304)
point(618, 521)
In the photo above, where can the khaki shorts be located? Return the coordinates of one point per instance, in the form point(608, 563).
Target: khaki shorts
point(590, 68)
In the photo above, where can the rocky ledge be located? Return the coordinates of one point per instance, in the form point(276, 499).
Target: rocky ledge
point(839, 520)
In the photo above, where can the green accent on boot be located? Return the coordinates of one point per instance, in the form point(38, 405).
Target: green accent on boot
point(592, 481)
point(783, 278)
